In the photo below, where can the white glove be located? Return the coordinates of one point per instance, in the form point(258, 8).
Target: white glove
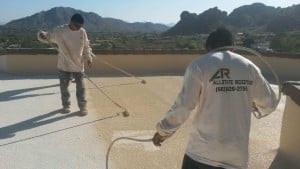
point(40, 36)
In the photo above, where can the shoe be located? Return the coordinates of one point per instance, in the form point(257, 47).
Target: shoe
point(83, 111)
point(66, 109)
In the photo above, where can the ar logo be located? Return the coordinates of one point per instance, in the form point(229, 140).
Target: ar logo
point(220, 74)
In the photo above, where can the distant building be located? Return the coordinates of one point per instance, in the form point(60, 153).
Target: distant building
point(14, 46)
point(262, 46)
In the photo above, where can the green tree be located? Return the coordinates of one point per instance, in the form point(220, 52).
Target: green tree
point(286, 42)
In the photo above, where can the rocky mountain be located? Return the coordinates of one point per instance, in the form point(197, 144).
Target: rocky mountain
point(256, 16)
point(93, 22)
point(191, 23)
point(246, 18)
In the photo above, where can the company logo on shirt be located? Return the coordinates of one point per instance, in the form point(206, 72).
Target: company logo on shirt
point(223, 82)
point(220, 74)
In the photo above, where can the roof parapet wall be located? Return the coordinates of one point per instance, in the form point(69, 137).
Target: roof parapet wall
point(138, 62)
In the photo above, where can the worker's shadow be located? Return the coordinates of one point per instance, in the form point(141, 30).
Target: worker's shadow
point(11, 130)
point(14, 94)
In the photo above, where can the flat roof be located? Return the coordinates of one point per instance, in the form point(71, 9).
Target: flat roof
point(34, 134)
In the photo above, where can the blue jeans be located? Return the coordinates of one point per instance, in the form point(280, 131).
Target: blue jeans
point(64, 79)
point(189, 163)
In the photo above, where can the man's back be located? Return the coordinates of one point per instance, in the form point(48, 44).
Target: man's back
point(222, 86)
point(221, 124)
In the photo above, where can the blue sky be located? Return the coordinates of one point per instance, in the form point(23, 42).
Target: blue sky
point(157, 11)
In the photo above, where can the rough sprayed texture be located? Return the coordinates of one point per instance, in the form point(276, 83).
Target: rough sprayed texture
point(146, 104)
point(35, 135)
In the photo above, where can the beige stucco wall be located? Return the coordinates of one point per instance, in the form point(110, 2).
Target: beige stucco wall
point(290, 137)
point(165, 63)
point(3, 63)
point(30, 63)
point(286, 68)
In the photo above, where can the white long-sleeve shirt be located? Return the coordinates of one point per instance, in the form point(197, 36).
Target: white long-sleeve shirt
point(222, 87)
point(73, 47)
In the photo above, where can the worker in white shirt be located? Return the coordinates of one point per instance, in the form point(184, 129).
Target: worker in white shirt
point(223, 87)
point(74, 50)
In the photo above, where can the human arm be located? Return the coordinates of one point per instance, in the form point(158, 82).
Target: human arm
point(264, 97)
point(47, 37)
point(186, 101)
point(87, 51)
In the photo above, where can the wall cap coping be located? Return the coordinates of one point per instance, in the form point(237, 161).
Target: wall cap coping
point(51, 51)
point(292, 89)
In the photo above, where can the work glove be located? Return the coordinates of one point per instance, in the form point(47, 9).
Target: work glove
point(161, 135)
point(43, 37)
point(90, 63)
point(157, 139)
point(256, 112)
point(254, 108)
point(90, 58)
